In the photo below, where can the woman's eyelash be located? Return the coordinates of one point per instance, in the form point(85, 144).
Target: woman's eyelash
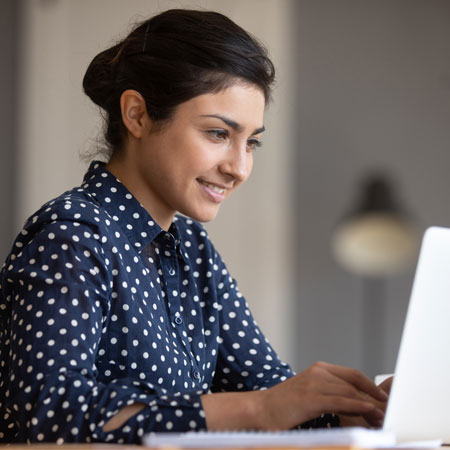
point(221, 135)
point(255, 143)
point(218, 134)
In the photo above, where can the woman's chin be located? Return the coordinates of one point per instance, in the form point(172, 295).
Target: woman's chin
point(202, 216)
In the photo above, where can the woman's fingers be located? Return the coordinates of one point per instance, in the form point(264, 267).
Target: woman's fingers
point(386, 384)
point(351, 406)
point(371, 414)
point(357, 386)
point(324, 388)
point(354, 402)
point(358, 380)
point(350, 420)
point(348, 392)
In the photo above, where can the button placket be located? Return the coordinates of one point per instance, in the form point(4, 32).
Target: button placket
point(169, 263)
point(170, 258)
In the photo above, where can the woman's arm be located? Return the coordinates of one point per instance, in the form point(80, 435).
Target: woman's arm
point(322, 388)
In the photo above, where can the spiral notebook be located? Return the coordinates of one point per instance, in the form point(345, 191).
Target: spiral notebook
point(320, 437)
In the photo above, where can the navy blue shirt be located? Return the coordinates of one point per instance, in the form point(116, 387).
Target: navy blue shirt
point(101, 308)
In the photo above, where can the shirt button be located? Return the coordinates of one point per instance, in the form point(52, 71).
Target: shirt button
point(171, 272)
point(196, 374)
point(178, 320)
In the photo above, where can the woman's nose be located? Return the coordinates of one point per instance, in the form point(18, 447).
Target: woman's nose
point(238, 163)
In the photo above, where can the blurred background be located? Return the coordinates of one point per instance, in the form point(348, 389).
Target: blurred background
point(323, 238)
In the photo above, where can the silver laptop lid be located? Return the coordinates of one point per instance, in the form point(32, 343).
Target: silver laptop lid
point(419, 403)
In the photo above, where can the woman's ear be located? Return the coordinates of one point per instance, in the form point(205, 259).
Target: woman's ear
point(134, 112)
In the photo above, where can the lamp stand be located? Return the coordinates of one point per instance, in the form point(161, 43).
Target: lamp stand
point(374, 292)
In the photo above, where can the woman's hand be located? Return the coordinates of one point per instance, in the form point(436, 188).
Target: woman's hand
point(323, 388)
point(360, 421)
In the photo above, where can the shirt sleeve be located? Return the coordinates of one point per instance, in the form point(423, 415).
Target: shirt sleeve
point(246, 360)
point(58, 289)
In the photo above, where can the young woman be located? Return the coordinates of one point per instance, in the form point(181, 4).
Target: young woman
point(118, 317)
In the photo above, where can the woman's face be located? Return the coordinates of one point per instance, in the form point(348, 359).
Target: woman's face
point(206, 151)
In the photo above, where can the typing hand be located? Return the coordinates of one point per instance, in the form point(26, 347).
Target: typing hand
point(353, 421)
point(324, 388)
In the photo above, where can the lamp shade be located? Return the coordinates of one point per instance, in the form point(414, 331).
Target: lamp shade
point(377, 239)
point(375, 245)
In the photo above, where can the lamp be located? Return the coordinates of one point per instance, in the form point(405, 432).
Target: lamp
point(377, 239)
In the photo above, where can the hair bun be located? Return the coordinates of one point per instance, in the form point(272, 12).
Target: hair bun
point(99, 79)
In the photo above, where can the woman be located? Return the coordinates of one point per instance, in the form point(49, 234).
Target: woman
point(118, 317)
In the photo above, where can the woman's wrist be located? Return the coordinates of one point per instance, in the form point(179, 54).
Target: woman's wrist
point(234, 410)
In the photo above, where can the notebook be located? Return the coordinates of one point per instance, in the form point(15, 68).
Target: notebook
point(418, 409)
point(325, 437)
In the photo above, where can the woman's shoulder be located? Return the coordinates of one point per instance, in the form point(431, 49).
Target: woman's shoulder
point(74, 206)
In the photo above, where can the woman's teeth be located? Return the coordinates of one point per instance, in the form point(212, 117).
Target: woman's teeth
point(214, 188)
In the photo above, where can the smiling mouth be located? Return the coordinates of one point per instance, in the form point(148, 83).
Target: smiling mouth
point(213, 187)
point(214, 192)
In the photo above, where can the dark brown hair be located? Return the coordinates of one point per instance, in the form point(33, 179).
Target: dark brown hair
point(171, 58)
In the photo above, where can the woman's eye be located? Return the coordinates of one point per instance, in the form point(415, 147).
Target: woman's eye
point(219, 135)
point(254, 144)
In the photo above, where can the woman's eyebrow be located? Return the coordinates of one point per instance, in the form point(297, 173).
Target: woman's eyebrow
point(231, 123)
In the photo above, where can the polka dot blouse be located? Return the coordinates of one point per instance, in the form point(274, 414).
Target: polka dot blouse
point(100, 308)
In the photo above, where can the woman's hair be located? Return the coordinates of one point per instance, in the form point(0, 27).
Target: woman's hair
point(171, 58)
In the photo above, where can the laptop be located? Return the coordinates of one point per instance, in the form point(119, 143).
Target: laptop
point(419, 403)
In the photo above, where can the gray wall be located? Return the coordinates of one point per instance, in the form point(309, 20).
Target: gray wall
point(9, 12)
point(373, 93)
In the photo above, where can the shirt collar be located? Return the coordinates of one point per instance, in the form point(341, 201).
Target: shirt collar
point(136, 223)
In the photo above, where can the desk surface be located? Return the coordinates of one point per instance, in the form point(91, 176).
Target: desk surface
point(137, 447)
point(72, 447)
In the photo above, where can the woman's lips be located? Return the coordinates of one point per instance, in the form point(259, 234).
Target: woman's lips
point(214, 192)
